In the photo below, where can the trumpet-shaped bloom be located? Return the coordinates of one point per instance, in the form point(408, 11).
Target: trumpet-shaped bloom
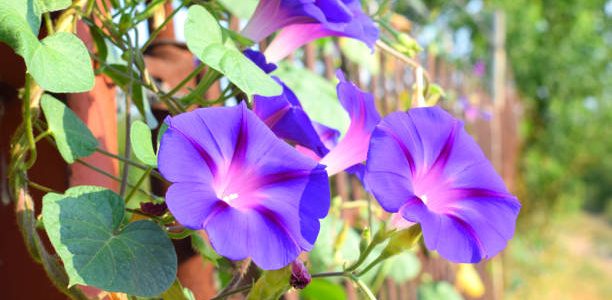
point(255, 195)
point(285, 116)
point(353, 148)
point(303, 21)
point(424, 165)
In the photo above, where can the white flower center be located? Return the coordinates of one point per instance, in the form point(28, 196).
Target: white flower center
point(424, 199)
point(230, 197)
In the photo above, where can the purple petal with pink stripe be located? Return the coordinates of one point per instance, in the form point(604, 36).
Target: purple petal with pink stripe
point(423, 165)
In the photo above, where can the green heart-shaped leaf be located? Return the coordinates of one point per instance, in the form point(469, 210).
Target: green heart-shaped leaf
point(84, 226)
point(73, 138)
point(205, 39)
point(142, 144)
point(61, 64)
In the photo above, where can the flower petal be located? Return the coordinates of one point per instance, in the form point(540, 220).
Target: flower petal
point(285, 116)
point(192, 203)
point(261, 235)
point(427, 161)
point(353, 148)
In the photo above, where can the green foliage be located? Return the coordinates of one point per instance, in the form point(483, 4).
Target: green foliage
point(84, 226)
point(60, 62)
point(142, 144)
point(438, 290)
point(323, 289)
point(271, 285)
point(403, 267)
point(205, 39)
point(336, 244)
point(317, 95)
point(72, 137)
point(240, 8)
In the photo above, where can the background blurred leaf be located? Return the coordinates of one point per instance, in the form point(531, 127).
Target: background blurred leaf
point(317, 95)
point(73, 138)
point(242, 9)
point(438, 290)
point(323, 289)
point(84, 228)
point(403, 267)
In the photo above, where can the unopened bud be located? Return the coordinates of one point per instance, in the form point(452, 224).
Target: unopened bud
point(153, 209)
point(300, 277)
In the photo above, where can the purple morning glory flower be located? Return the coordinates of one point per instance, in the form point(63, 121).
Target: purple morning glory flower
point(303, 21)
point(285, 116)
point(254, 194)
point(260, 60)
point(424, 165)
point(353, 148)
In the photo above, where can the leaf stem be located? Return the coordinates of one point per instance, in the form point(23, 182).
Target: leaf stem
point(237, 290)
point(48, 23)
point(364, 288)
point(27, 117)
point(113, 177)
point(138, 184)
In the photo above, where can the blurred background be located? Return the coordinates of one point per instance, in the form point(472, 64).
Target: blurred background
point(530, 78)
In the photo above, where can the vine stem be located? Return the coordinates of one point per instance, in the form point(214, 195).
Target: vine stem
point(364, 288)
point(237, 290)
point(133, 163)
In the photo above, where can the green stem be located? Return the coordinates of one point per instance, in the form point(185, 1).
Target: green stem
point(364, 288)
point(42, 135)
point(138, 184)
point(181, 84)
point(48, 23)
point(372, 265)
point(237, 290)
point(27, 117)
point(133, 163)
point(330, 274)
point(157, 30)
point(41, 187)
point(362, 257)
point(113, 177)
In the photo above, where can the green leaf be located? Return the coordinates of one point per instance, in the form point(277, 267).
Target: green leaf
point(317, 95)
point(403, 267)
point(204, 249)
point(360, 54)
point(142, 144)
point(242, 9)
point(52, 5)
point(336, 245)
point(19, 27)
point(177, 292)
point(323, 289)
point(61, 64)
point(83, 226)
point(73, 138)
point(438, 290)
point(205, 39)
point(271, 285)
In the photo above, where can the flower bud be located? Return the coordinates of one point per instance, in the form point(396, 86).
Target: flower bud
point(153, 209)
point(300, 277)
